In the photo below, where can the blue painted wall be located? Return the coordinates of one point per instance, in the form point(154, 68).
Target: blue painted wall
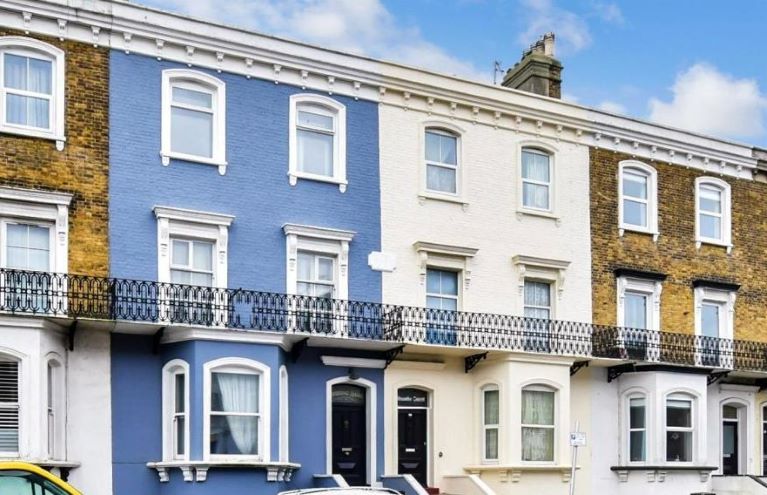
point(255, 188)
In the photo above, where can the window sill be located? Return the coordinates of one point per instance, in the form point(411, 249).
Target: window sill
point(20, 131)
point(713, 242)
point(658, 472)
point(294, 176)
point(168, 156)
point(198, 470)
point(628, 228)
point(522, 212)
point(63, 466)
point(513, 472)
point(426, 195)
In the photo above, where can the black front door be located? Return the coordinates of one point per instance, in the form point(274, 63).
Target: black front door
point(412, 443)
point(729, 448)
point(349, 433)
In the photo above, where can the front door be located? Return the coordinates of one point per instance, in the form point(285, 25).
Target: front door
point(349, 446)
point(730, 440)
point(412, 427)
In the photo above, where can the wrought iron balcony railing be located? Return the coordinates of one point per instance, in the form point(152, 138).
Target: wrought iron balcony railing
point(78, 296)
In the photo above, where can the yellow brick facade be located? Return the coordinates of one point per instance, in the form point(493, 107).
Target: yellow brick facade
point(675, 253)
point(81, 169)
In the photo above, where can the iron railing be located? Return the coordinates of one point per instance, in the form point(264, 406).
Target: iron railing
point(79, 296)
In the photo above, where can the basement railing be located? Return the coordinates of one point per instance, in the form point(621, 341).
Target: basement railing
point(101, 298)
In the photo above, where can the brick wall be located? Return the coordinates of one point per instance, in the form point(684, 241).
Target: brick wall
point(81, 169)
point(675, 253)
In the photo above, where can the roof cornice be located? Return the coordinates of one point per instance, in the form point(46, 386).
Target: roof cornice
point(132, 28)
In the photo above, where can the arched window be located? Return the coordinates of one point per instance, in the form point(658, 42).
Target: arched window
point(638, 203)
point(284, 418)
point(32, 85)
point(538, 423)
point(193, 118)
point(55, 413)
point(712, 212)
point(175, 385)
point(490, 423)
point(680, 427)
point(537, 174)
point(9, 406)
point(637, 427)
point(236, 404)
point(442, 161)
point(317, 140)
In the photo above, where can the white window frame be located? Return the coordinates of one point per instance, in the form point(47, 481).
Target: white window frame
point(638, 167)
point(650, 288)
point(460, 176)
point(243, 366)
point(446, 257)
point(692, 428)
point(169, 372)
point(725, 216)
point(725, 299)
point(540, 387)
point(42, 208)
point(546, 270)
point(204, 83)
point(30, 47)
point(491, 387)
point(628, 429)
point(284, 415)
point(551, 307)
point(316, 281)
point(318, 240)
point(331, 108)
point(550, 152)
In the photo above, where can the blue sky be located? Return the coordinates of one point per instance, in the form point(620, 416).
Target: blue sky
point(696, 64)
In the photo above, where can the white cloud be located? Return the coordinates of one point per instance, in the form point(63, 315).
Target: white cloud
point(543, 16)
point(609, 12)
point(357, 26)
point(711, 102)
point(612, 107)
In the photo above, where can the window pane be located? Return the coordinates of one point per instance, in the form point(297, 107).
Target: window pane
point(537, 293)
point(634, 185)
point(315, 152)
point(38, 260)
point(191, 97)
point(635, 310)
point(202, 279)
point(234, 435)
point(179, 384)
point(441, 148)
point(27, 110)
point(709, 320)
point(39, 237)
point(311, 119)
point(637, 446)
point(203, 256)
point(535, 166)
point(491, 407)
point(40, 76)
point(432, 147)
point(325, 269)
point(191, 132)
point(180, 253)
point(679, 413)
point(539, 313)
point(537, 444)
point(710, 199)
point(491, 443)
point(710, 227)
point(321, 290)
point(305, 266)
point(637, 413)
point(180, 277)
point(180, 434)
point(537, 407)
point(535, 196)
point(15, 71)
point(634, 213)
point(449, 283)
point(730, 412)
point(679, 446)
point(234, 392)
point(304, 289)
point(441, 179)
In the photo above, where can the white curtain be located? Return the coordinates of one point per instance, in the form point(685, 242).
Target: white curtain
point(537, 409)
point(33, 75)
point(239, 393)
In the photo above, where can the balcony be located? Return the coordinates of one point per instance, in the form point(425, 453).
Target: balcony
point(163, 304)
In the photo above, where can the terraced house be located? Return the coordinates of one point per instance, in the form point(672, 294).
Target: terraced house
point(234, 262)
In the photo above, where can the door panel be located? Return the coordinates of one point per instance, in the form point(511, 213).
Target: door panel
point(350, 434)
point(729, 448)
point(413, 445)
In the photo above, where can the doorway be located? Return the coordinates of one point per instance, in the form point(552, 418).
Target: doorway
point(349, 433)
point(413, 433)
point(730, 440)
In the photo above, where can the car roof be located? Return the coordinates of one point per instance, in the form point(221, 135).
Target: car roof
point(32, 468)
point(353, 490)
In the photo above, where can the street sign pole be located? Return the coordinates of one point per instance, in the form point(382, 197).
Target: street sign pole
point(577, 439)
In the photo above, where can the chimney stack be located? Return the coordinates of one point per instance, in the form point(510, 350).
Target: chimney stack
point(538, 71)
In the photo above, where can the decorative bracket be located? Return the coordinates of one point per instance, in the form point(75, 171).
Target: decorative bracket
point(392, 354)
point(614, 372)
point(576, 367)
point(156, 339)
point(715, 376)
point(470, 362)
point(298, 349)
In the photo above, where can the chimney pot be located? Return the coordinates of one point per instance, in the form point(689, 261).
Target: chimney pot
point(538, 71)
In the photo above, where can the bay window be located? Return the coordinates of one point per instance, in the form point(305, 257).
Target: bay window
point(490, 423)
point(176, 410)
point(679, 428)
point(637, 429)
point(538, 424)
